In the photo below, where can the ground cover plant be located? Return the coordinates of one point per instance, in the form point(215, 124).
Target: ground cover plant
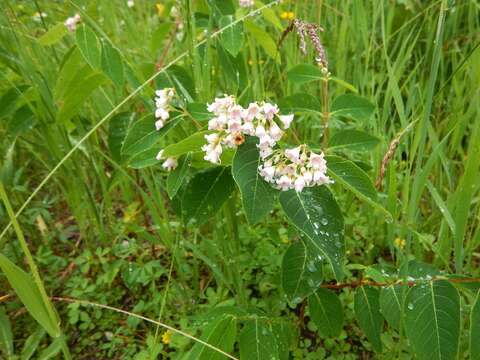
point(214, 179)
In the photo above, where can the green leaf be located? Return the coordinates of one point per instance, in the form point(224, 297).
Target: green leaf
point(286, 337)
point(356, 180)
point(89, 46)
point(391, 300)
point(302, 272)
point(76, 95)
point(232, 37)
point(117, 130)
point(367, 312)
point(221, 333)
point(304, 73)
point(6, 337)
point(353, 140)
point(144, 159)
point(432, 320)
point(475, 329)
point(28, 293)
point(21, 122)
point(326, 312)
point(223, 7)
point(300, 103)
point(316, 214)
point(52, 350)
point(142, 135)
point(177, 177)
point(206, 193)
point(199, 111)
point(32, 343)
point(352, 106)
point(112, 64)
point(257, 342)
point(71, 72)
point(53, 35)
point(193, 143)
point(418, 270)
point(264, 40)
point(258, 196)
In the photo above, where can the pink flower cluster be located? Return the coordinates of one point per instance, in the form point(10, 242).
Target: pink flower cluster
point(232, 122)
point(246, 3)
point(295, 168)
point(71, 22)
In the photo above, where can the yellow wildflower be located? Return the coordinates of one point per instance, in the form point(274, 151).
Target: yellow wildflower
point(160, 9)
point(400, 243)
point(287, 15)
point(166, 337)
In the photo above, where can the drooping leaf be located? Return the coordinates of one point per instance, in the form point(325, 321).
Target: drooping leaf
point(112, 63)
point(326, 312)
point(257, 342)
point(432, 320)
point(264, 40)
point(316, 214)
point(304, 73)
point(117, 130)
point(300, 103)
point(221, 333)
point(199, 111)
point(29, 294)
point(142, 134)
point(391, 302)
point(356, 180)
point(475, 329)
point(232, 37)
point(52, 350)
point(353, 140)
point(89, 45)
point(32, 343)
point(257, 195)
point(352, 106)
point(206, 193)
point(302, 272)
point(367, 312)
point(177, 177)
point(193, 143)
point(6, 337)
point(53, 35)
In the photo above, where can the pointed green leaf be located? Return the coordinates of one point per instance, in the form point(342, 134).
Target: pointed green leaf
point(356, 180)
point(302, 273)
point(89, 46)
point(304, 73)
point(28, 293)
point(232, 37)
point(221, 333)
point(263, 39)
point(112, 63)
point(53, 35)
point(367, 312)
point(117, 130)
point(432, 320)
point(475, 329)
point(193, 143)
point(177, 177)
point(353, 140)
point(206, 193)
point(326, 312)
point(257, 342)
point(32, 343)
point(52, 350)
point(257, 195)
point(316, 214)
point(353, 106)
point(300, 103)
point(199, 111)
point(6, 337)
point(391, 302)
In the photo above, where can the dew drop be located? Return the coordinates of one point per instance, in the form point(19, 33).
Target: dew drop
point(410, 306)
point(324, 221)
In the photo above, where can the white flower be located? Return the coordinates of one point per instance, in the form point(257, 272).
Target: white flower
point(293, 154)
point(159, 124)
point(284, 183)
point(266, 152)
point(307, 176)
point(270, 110)
point(160, 155)
point(267, 172)
point(286, 120)
point(213, 153)
point(161, 113)
point(252, 111)
point(317, 161)
point(260, 131)
point(299, 183)
point(246, 3)
point(275, 132)
point(71, 22)
point(170, 163)
point(130, 3)
point(211, 138)
point(248, 128)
